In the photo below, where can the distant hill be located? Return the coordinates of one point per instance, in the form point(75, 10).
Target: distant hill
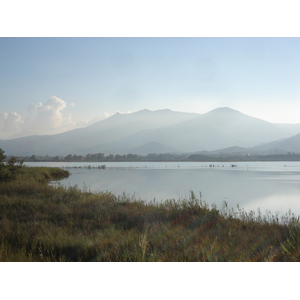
point(163, 131)
point(235, 150)
point(282, 146)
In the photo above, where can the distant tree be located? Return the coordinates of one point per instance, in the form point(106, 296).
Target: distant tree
point(97, 157)
point(69, 157)
point(2, 157)
point(77, 157)
point(13, 167)
point(110, 157)
point(129, 156)
point(33, 157)
point(117, 157)
point(9, 171)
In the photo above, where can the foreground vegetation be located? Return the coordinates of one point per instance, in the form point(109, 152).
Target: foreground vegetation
point(42, 223)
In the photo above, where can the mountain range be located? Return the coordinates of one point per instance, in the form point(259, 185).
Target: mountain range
point(223, 130)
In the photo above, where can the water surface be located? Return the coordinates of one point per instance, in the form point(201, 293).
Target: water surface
point(273, 186)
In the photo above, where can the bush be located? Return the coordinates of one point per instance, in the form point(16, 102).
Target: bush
point(9, 171)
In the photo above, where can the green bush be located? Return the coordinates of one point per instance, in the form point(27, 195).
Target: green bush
point(9, 171)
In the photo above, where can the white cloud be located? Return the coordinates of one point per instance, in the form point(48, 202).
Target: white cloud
point(50, 117)
point(125, 112)
point(47, 118)
point(10, 124)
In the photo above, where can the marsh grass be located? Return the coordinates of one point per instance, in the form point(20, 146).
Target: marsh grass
point(43, 223)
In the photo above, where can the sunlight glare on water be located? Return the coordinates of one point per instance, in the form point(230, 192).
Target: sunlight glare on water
point(271, 186)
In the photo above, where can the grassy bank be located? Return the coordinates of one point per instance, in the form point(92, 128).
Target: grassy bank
point(43, 223)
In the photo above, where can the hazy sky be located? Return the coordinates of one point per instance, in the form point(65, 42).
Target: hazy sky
point(48, 85)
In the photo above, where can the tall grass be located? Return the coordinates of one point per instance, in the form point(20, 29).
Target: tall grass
point(39, 222)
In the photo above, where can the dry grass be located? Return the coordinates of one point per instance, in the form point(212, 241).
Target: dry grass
point(43, 223)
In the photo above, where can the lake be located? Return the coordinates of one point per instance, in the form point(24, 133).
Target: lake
point(272, 186)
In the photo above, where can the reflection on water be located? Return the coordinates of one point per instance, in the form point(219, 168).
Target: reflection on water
point(271, 186)
point(276, 202)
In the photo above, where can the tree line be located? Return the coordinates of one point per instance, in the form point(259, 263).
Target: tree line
point(101, 157)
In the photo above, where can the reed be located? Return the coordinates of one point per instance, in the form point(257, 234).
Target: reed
point(39, 222)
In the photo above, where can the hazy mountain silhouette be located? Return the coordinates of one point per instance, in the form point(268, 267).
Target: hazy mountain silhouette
point(220, 128)
point(281, 146)
point(103, 136)
point(160, 131)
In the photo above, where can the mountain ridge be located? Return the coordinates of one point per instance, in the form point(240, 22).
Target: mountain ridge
point(161, 129)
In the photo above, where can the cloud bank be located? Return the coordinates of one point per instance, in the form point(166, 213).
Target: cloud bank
point(47, 118)
point(42, 118)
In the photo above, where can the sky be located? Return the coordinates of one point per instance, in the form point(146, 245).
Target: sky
point(50, 85)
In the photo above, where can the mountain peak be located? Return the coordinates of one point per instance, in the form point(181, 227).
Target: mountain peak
point(154, 111)
point(144, 111)
point(224, 110)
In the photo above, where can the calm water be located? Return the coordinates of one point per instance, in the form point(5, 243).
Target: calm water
point(271, 186)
